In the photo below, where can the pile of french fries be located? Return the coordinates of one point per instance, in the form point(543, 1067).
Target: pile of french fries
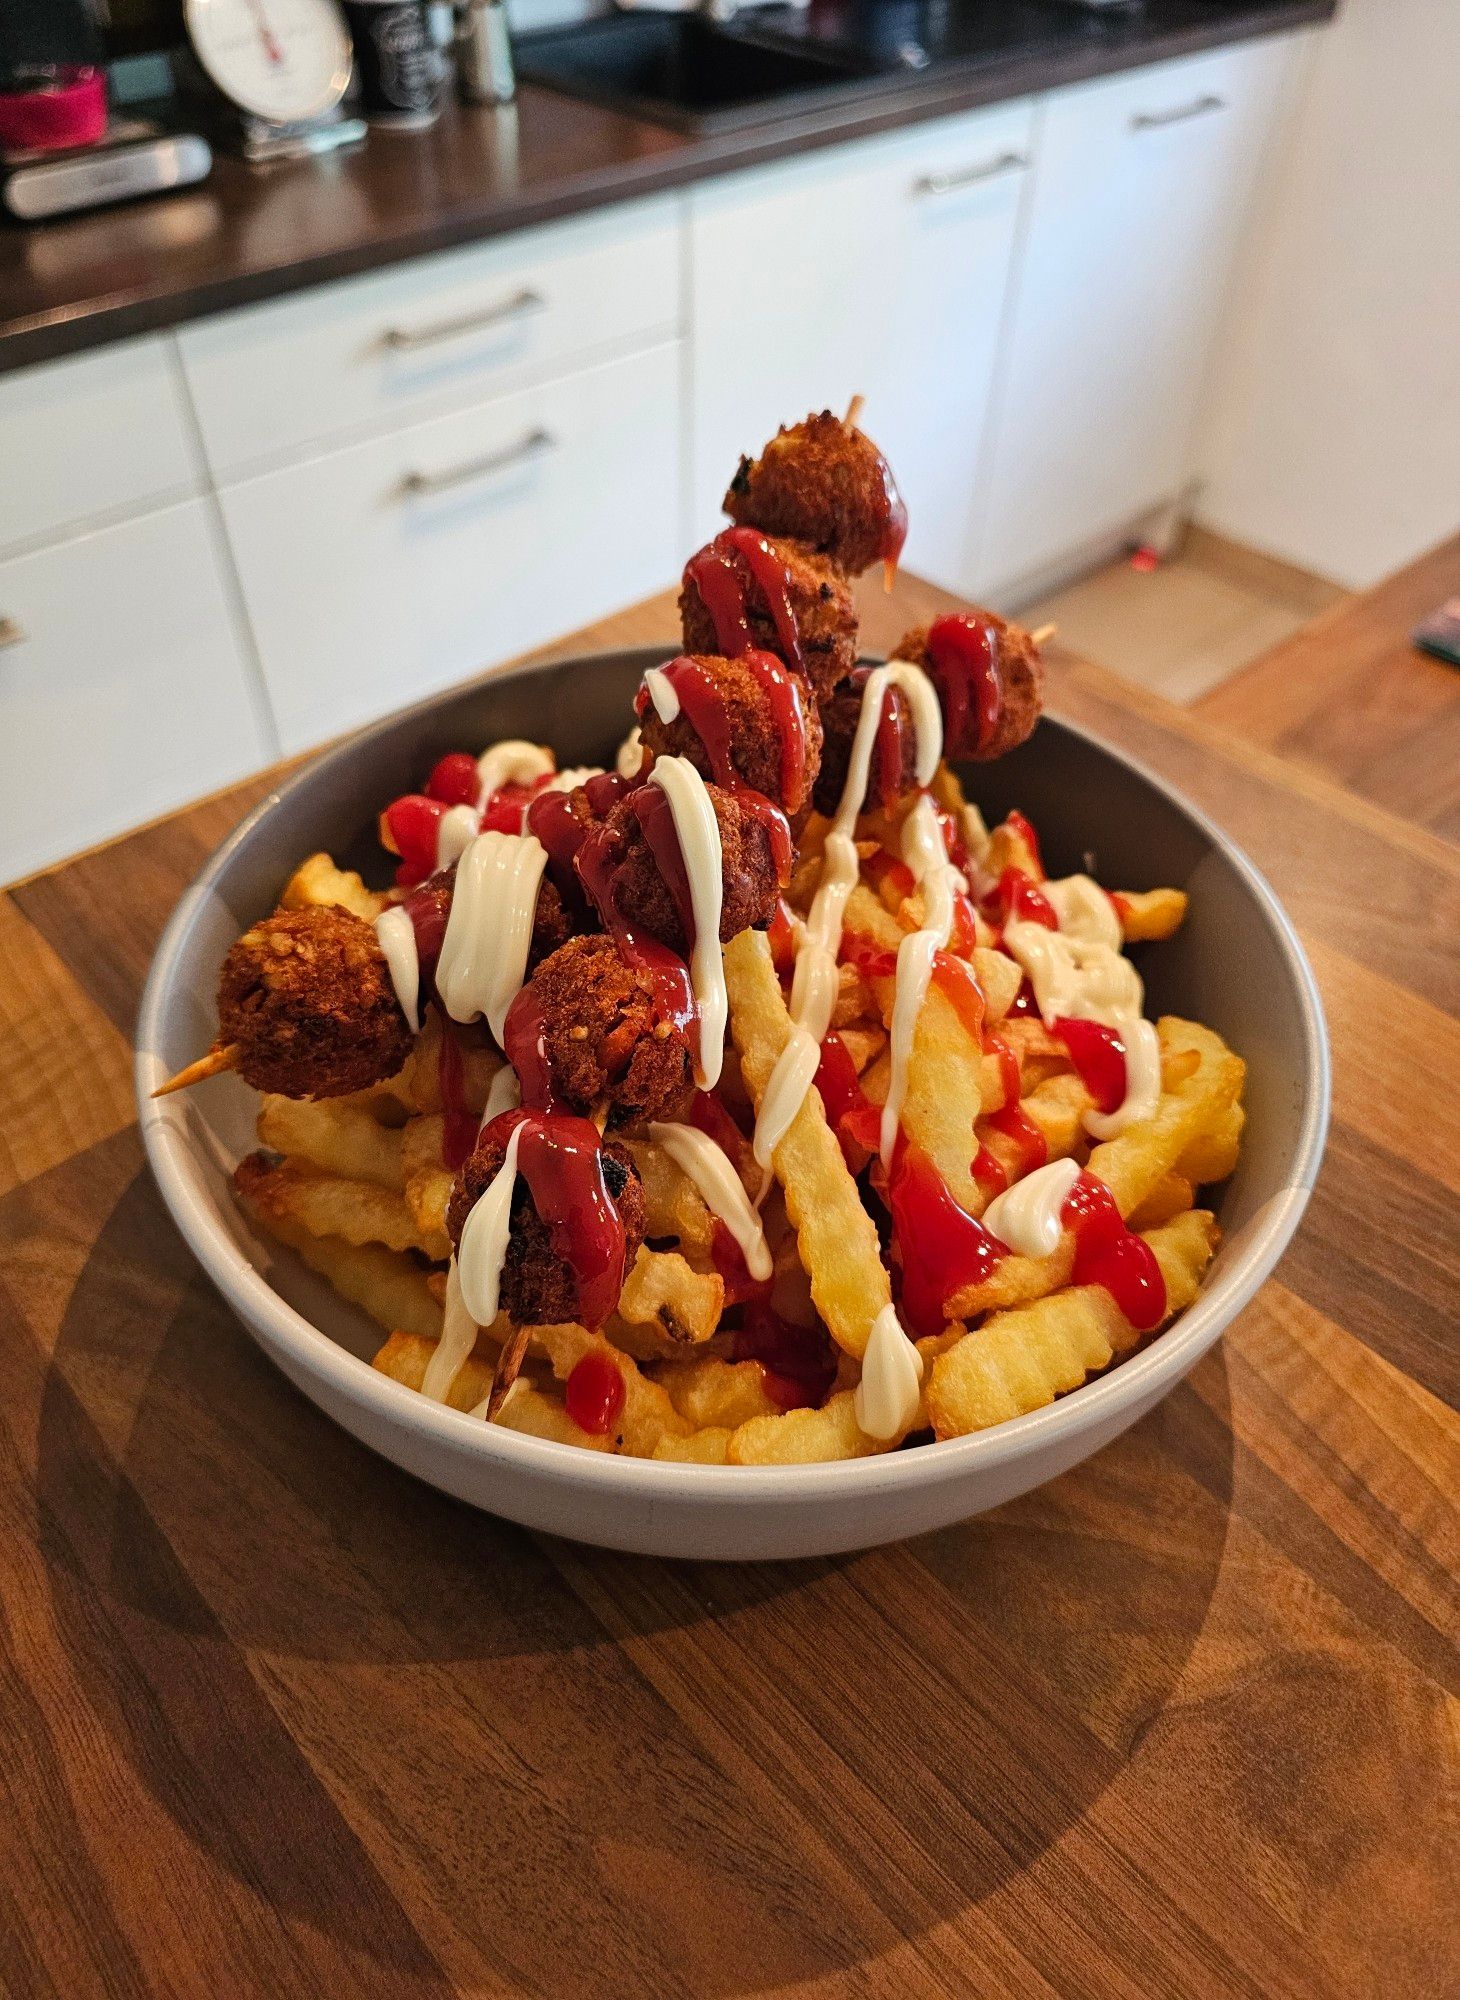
point(358, 1187)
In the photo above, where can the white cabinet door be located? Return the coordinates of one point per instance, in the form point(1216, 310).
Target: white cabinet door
point(378, 574)
point(878, 268)
point(1139, 196)
point(433, 334)
point(91, 436)
point(123, 691)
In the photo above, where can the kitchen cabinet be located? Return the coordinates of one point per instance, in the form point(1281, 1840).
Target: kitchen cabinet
point(439, 333)
point(879, 268)
point(376, 574)
point(102, 434)
point(124, 690)
point(1138, 198)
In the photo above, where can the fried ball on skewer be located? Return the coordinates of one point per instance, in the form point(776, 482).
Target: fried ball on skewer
point(817, 597)
point(430, 909)
point(825, 483)
point(306, 997)
point(941, 649)
point(893, 767)
point(751, 871)
point(538, 1286)
point(602, 1040)
point(738, 711)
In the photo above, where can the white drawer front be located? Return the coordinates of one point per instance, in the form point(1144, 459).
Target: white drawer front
point(379, 573)
point(438, 333)
point(84, 438)
point(123, 692)
point(901, 302)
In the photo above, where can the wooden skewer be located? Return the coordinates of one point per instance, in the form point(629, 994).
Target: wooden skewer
point(1042, 634)
point(212, 1064)
point(509, 1367)
point(854, 410)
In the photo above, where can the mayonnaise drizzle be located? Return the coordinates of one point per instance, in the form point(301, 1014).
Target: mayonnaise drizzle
point(512, 762)
point(698, 833)
point(455, 832)
point(814, 983)
point(489, 931)
point(662, 694)
point(697, 1155)
point(483, 1246)
point(570, 780)
point(1090, 980)
point(1085, 912)
point(1027, 1215)
point(935, 875)
point(458, 1338)
point(885, 1403)
point(397, 935)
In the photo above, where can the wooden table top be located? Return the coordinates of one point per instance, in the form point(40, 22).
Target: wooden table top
point(279, 1720)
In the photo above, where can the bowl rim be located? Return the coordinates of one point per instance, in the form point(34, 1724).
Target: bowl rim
point(1137, 1381)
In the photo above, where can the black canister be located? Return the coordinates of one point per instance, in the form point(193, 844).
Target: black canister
point(397, 61)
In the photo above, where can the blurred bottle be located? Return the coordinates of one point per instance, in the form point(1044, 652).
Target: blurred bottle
point(485, 72)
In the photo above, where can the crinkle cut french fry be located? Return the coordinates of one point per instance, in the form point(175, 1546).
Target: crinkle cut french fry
point(527, 1408)
point(388, 1284)
point(673, 1205)
point(647, 1413)
point(805, 1437)
point(837, 1238)
point(420, 1079)
point(707, 1447)
point(1019, 1361)
point(712, 1393)
point(318, 881)
point(1133, 1163)
point(336, 1137)
point(1169, 1197)
point(1212, 1154)
point(666, 1299)
point(326, 1205)
point(1149, 914)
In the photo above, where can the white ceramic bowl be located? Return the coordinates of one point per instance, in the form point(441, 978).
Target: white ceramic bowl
point(1236, 965)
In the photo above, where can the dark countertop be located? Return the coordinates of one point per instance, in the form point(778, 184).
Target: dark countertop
point(255, 233)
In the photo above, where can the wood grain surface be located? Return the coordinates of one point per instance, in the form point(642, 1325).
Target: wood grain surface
point(278, 1720)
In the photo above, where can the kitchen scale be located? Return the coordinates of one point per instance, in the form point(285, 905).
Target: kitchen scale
point(282, 68)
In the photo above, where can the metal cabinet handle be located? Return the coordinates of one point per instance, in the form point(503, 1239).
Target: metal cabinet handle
point(406, 339)
point(1152, 121)
point(11, 632)
point(986, 170)
point(417, 485)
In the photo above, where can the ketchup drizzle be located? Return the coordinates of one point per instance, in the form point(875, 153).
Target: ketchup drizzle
point(963, 654)
point(716, 577)
point(555, 821)
point(1112, 1256)
point(561, 1159)
point(593, 1394)
point(941, 1246)
point(459, 1133)
point(1019, 898)
point(673, 992)
point(1098, 1054)
point(522, 1043)
point(798, 1362)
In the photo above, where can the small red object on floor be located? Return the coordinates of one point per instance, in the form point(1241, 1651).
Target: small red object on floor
point(1144, 559)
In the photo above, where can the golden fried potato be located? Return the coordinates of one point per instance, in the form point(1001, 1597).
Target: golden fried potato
point(335, 1135)
point(837, 1237)
point(388, 1284)
point(1018, 1361)
point(327, 1205)
point(317, 881)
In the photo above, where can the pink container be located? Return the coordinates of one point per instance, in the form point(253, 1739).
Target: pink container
point(68, 110)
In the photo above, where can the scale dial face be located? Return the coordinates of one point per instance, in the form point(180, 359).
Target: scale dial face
point(285, 61)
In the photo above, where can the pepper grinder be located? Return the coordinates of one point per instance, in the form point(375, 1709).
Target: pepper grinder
point(484, 69)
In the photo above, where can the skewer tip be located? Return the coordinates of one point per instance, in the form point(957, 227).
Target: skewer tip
point(214, 1063)
point(1042, 634)
point(509, 1367)
point(854, 410)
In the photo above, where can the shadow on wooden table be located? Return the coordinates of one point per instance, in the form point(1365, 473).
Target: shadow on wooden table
point(355, 1695)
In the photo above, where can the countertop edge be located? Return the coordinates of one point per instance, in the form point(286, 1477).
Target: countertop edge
point(105, 319)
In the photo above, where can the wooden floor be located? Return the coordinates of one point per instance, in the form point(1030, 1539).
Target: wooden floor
point(1186, 626)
